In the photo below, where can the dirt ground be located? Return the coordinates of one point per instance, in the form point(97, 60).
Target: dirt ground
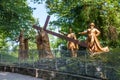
point(16, 76)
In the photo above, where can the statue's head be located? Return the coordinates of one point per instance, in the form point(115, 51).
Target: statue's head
point(70, 30)
point(92, 25)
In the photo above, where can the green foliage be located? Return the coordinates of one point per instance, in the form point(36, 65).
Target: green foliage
point(110, 59)
point(57, 43)
point(14, 16)
point(8, 58)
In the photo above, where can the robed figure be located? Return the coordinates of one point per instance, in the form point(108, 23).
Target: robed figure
point(23, 46)
point(73, 47)
point(43, 44)
point(93, 43)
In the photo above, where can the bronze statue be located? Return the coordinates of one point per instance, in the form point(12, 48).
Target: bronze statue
point(43, 44)
point(71, 45)
point(23, 46)
point(93, 43)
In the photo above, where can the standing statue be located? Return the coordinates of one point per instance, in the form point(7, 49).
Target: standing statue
point(71, 45)
point(26, 48)
point(93, 43)
point(23, 46)
point(43, 44)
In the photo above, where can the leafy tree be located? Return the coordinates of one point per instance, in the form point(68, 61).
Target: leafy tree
point(14, 16)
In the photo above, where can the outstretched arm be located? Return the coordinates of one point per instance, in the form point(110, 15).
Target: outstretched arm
point(85, 32)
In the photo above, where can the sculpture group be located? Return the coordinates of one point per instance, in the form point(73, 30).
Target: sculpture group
point(43, 46)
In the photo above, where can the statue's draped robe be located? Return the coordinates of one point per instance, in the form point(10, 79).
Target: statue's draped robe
point(93, 43)
point(43, 45)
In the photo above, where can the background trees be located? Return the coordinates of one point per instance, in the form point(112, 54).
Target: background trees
point(15, 15)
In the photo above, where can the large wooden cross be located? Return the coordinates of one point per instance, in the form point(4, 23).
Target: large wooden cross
point(58, 35)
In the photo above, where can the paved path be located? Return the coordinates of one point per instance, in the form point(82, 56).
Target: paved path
point(16, 76)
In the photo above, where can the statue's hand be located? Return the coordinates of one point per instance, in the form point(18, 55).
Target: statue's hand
point(79, 32)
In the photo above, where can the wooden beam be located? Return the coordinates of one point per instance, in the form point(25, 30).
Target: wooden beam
point(62, 36)
point(46, 22)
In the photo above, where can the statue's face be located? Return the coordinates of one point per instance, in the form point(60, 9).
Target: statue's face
point(70, 30)
point(92, 25)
